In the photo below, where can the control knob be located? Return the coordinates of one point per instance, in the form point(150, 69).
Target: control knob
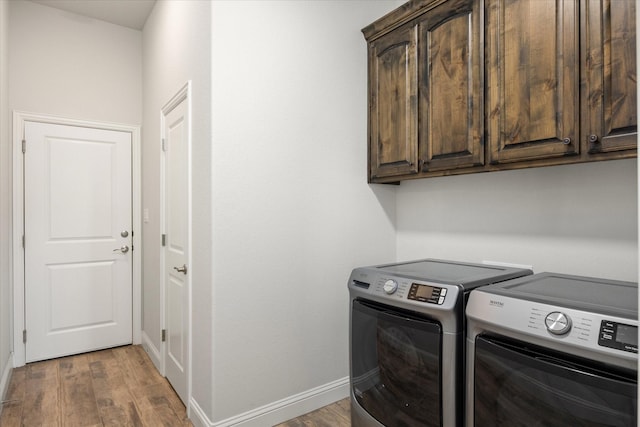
point(558, 323)
point(390, 286)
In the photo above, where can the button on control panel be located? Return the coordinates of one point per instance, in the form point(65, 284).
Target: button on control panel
point(428, 294)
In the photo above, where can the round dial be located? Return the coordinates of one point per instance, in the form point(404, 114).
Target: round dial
point(558, 323)
point(390, 286)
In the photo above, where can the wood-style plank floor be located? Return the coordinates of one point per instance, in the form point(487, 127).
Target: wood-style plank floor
point(335, 415)
point(114, 387)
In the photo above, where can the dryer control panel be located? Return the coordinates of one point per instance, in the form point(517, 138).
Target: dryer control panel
point(412, 290)
point(409, 293)
point(426, 293)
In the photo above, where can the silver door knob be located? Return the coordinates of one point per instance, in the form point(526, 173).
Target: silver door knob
point(182, 269)
point(124, 249)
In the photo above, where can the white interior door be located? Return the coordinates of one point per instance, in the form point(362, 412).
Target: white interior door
point(176, 245)
point(77, 220)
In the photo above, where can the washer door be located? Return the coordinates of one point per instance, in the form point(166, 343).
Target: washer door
point(395, 365)
point(517, 385)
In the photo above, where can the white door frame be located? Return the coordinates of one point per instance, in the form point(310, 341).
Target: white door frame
point(184, 94)
point(19, 119)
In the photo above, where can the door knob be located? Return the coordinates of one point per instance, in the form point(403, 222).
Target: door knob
point(124, 249)
point(182, 269)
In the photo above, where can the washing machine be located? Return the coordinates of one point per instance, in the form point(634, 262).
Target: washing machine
point(407, 340)
point(553, 350)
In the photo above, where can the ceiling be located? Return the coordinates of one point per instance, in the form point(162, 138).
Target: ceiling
point(127, 13)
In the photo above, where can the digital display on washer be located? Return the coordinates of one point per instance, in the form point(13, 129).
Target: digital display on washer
point(426, 293)
point(619, 336)
point(627, 334)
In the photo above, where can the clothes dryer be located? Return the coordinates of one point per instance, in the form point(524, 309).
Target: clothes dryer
point(406, 340)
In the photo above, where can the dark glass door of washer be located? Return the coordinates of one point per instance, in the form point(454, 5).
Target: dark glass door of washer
point(395, 362)
point(516, 386)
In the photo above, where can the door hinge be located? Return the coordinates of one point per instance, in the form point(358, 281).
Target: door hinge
point(164, 240)
point(23, 241)
point(164, 144)
point(24, 146)
point(164, 335)
point(24, 336)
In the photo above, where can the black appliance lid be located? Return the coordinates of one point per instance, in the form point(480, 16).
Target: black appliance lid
point(604, 296)
point(463, 274)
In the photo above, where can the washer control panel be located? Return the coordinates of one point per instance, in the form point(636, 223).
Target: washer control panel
point(619, 336)
point(584, 333)
point(427, 293)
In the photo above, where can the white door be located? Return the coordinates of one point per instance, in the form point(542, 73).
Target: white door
point(176, 243)
point(77, 220)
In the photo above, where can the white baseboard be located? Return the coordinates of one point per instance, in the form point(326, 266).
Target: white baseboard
point(279, 411)
point(152, 351)
point(5, 379)
point(197, 416)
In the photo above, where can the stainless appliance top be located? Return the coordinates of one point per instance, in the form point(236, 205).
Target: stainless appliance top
point(603, 296)
point(466, 275)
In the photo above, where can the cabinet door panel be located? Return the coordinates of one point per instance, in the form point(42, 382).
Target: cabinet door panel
point(532, 78)
point(611, 116)
point(393, 111)
point(450, 107)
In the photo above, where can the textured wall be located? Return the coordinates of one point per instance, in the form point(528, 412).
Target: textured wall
point(67, 65)
point(578, 219)
point(6, 284)
point(176, 49)
point(293, 213)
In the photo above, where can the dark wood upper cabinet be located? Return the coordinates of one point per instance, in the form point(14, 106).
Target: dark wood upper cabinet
point(463, 86)
point(450, 90)
point(393, 99)
point(610, 105)
point(532, 79)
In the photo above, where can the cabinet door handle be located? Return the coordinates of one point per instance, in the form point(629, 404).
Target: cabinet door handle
point(566, 141)
point(593, 139)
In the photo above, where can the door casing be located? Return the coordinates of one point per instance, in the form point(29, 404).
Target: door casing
point(19, 119)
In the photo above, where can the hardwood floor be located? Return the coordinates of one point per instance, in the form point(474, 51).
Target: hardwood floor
point(335, 415)
point(114, 387)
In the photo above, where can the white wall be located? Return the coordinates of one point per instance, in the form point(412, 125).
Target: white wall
point(67, 65)
point(176, 49)
point(5, 204)
point(578, 219)
point(293, 213)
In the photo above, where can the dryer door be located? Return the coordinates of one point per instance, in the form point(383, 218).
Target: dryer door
point(395, 365)
point(516, 384)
